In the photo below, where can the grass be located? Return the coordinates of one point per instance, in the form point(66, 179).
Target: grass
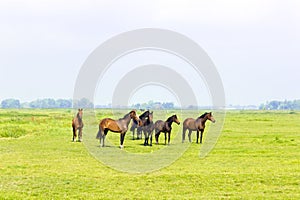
point(257, 157)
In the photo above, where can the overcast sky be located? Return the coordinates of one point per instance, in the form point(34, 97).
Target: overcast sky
point(254, 44)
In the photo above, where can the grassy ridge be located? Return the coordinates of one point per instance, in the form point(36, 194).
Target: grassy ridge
point(257, 157)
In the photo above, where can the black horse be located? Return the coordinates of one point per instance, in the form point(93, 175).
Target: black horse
point(165, 127)
point(148, 128)
point(143, 118)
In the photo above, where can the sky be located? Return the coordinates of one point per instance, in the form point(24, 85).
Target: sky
point(254, 44)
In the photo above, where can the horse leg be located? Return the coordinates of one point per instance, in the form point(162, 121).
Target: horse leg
point(165, 138)
point(139, 133)
point(201, 136)
point(183, 134)
point(122, 137)
point(197, 136)
point(150, 139)
point(103, 137)
point(156, 136)
point(169, 137)
point(133, 131)
point(80, 134)
point(190, 133)
point(146, 137)
point(74, 134)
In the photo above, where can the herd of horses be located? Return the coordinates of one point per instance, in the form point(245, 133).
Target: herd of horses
point(143, 124)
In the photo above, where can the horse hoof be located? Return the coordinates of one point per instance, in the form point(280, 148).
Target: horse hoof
point(121, 146)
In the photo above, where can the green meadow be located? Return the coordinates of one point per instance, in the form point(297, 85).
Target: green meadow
point(257, 156)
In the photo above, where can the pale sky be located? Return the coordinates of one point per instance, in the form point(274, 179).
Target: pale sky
point(254, 44)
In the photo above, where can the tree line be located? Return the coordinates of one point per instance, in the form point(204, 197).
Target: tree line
point(281, 105)
point(154, 105)
point(85, 103)
point(82, 103)
point(47, 103)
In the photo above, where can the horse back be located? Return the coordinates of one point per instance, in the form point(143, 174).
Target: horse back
point(190, 124)
point(159, 124)
point(110, 124)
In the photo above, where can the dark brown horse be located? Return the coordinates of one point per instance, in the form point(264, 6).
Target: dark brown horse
point(143, 118)
point(196, 125)
point(77, 124)
point(165, 127)
point(117, 126)
point(148, 127)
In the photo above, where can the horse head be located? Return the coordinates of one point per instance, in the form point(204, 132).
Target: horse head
point(150, 117)
point(80, 113)
point(175, 119)
point(134, 116)
point(210, 117)
point(144, 115)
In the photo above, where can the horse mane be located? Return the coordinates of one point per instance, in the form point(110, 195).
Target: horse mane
point(202, 116)
point(170, 118)
point(125, 116)
point(144, 114)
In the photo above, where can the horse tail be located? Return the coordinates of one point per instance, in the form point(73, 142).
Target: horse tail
point(98, 134)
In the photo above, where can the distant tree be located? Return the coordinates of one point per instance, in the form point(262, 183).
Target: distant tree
point(281, 105)
point(168, 105)
point(262, 107)
point(137, 106)
point(154, 105)
point(63, 103)
point(83, 103)
point(48, 103)
point(10, 103)
point(273, 105)
point(43, 103)
point(296, 104)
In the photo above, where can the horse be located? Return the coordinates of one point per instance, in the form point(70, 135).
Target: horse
point(148, 127)
point(136, 126)
point(165, 127)
point(117, 126)
point(196, 125)
point(77, 124)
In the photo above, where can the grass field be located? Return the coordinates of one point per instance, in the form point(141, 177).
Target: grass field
point(257, 157)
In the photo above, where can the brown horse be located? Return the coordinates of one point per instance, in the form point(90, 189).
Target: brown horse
point(196, 125)
point(148, 127)
point(117, 126)
point(165, 127)
point(77, 124)
point(143, 118)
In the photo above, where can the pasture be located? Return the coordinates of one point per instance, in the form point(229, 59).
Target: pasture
point(257, 156)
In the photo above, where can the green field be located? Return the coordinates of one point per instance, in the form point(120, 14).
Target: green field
point(257, 156)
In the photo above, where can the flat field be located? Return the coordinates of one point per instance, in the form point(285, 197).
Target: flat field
point(257, 156)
